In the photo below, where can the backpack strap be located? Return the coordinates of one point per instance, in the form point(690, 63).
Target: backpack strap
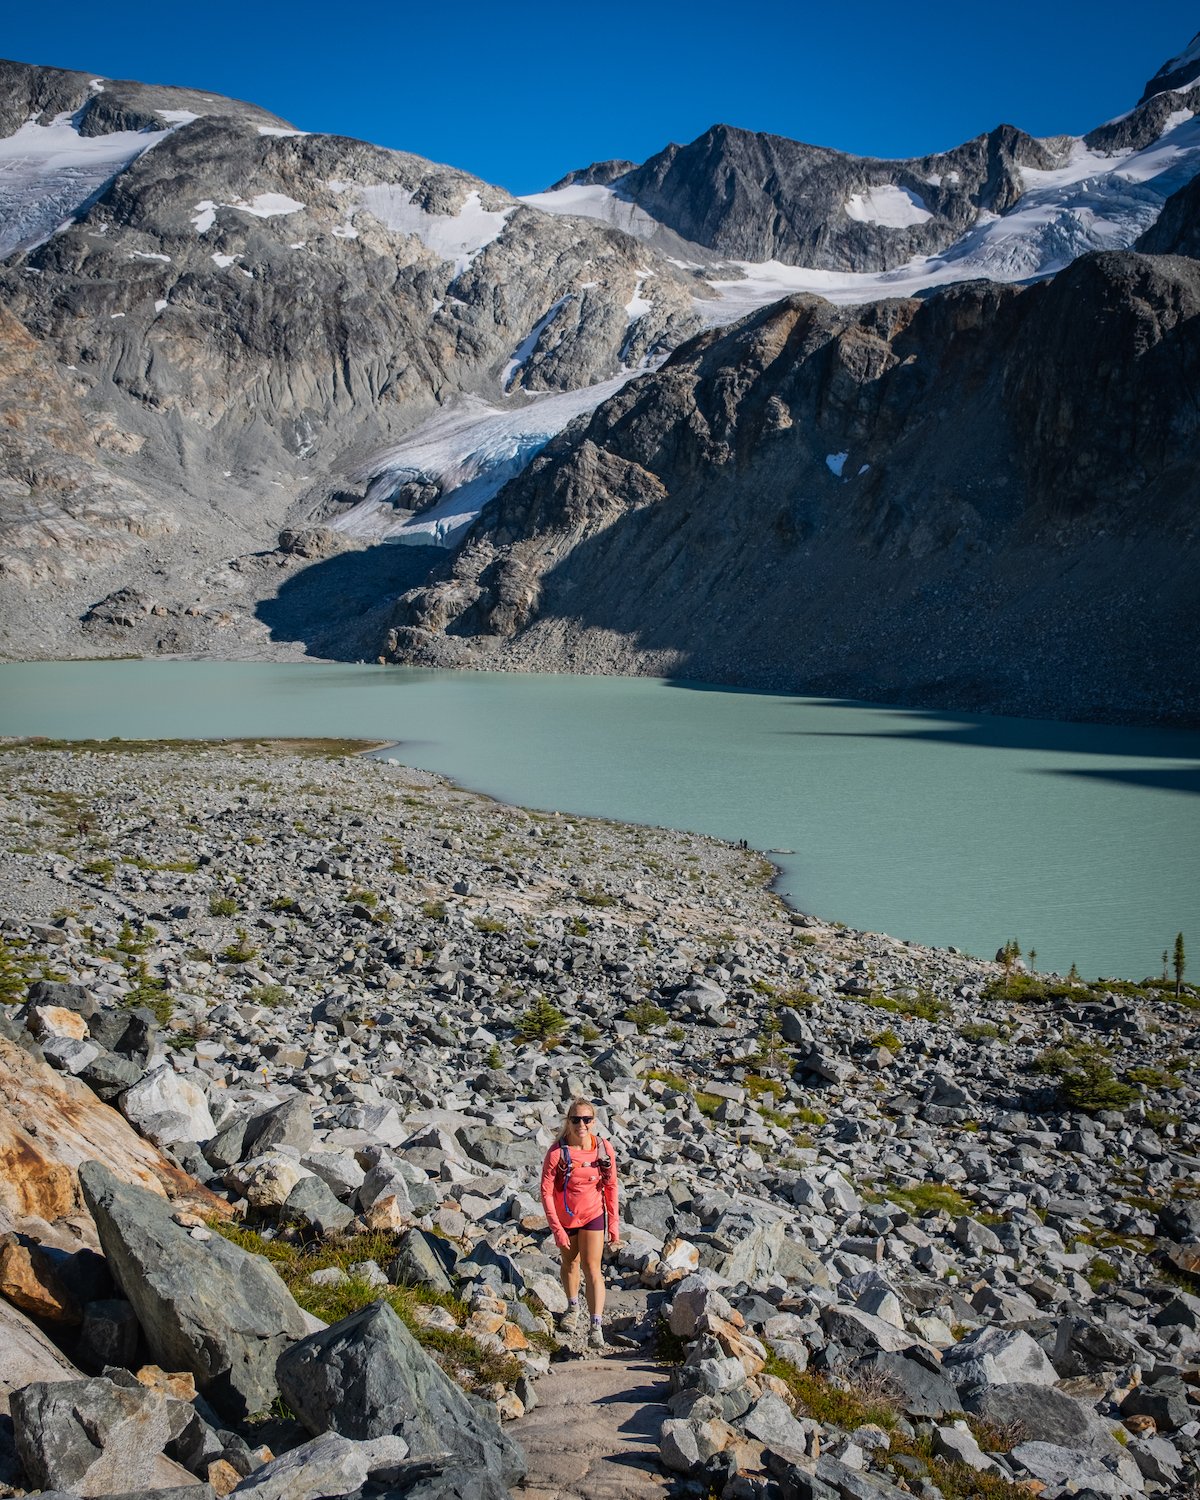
point(564, 1167)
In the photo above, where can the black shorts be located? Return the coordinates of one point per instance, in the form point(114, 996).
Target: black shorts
point(596, 1223)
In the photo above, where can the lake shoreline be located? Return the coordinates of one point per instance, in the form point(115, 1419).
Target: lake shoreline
point(953, 832)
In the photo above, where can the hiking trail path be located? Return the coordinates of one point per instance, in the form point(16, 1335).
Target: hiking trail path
point(594, 1433)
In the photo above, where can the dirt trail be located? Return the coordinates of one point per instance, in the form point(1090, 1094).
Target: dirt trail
point(594, 1433)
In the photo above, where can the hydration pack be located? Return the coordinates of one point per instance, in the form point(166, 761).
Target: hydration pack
point(562, 1172)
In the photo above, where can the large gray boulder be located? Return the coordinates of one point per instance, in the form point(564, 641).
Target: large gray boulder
point(419, 1262)
point(367, 1377)
point(152, 1492)
point(204, 1305)
point(916, 1377)
point(168, 1108)
point(1069, 1471)
point(443, 1479)
point(312, 1203)
point(323, 1469)
point(1046, 1416)
point(89, 1436)
point(288, 1125)
point(997, 1356)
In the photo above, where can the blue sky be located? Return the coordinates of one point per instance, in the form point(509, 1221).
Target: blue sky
point(519, 94)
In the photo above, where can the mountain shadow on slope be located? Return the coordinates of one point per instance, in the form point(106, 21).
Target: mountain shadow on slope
point(985, 500)
point(338, 606)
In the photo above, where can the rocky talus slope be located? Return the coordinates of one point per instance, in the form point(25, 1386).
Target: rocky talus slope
point(896, 1220)
point(783, 505)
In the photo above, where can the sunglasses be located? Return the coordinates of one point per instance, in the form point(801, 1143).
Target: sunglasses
point(581, 1119)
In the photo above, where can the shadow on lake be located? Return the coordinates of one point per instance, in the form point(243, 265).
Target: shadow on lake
point(991, 732)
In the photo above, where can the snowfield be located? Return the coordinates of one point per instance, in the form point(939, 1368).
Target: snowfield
point(595, 202)
point(454, 237)
point(890, 206)
point(49, 172)
point(470, 452)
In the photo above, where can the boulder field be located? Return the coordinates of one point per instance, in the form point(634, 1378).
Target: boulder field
point(288, 1031)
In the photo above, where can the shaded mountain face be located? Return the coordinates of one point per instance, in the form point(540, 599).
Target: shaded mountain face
point(1177, 229)
point(986, 499)
point(1177, 72)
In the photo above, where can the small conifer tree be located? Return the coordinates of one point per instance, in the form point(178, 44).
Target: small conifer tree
point(1180, 963)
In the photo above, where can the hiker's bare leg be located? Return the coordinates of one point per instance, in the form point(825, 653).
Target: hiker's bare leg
point(568, 1269)
point(591, 1249)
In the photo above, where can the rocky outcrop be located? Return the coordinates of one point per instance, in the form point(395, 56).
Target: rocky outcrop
point(61, 509)
point(89, 1436)
point(51, 1123)
point(1177, 229)
point(757, 197)
point(367, 1377)
point(955, 502)
point(203, 1304)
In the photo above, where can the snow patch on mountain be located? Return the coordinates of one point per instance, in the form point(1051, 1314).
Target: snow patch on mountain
point(593, 201)
point(887, 205)
point(49, 172)
point(1092, 202)
point(455, 237)
point(637, 304)
point(527, 345)
point(263, 206)
point(469, 453)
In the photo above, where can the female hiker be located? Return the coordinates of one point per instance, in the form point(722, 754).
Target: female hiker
point(579, 1194)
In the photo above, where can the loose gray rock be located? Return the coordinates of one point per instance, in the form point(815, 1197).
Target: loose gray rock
point(997, 1356)
point(168, 1108)
point(367, 1377)
point(323, 1469)
point(312, 1203)
point(88, 1435)
point(204, 1306)
point(419, 1262)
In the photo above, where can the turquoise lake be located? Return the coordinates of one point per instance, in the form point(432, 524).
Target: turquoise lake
point(1082, 842)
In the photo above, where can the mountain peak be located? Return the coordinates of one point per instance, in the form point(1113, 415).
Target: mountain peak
point(1177, 72)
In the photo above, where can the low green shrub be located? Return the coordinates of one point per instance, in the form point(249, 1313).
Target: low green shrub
point(594, 896)
point(645, 1015)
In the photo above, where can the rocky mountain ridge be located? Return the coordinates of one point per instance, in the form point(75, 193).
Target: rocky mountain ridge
point(814, 453)
point(260, 332)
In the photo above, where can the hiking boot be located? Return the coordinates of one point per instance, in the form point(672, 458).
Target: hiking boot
point(596, 1337)
point(565, 1322)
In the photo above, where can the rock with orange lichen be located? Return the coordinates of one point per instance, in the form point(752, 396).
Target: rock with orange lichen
point(29, 1280)
point(49, 1124)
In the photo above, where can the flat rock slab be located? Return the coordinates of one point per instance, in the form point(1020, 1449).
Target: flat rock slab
point(611, 1410)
